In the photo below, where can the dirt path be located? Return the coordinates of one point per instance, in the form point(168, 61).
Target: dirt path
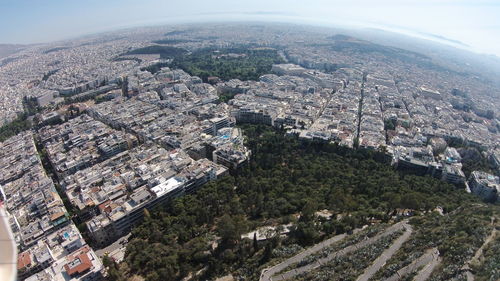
point(479, 252)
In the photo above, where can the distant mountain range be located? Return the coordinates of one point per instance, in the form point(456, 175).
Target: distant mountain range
point(9, 49)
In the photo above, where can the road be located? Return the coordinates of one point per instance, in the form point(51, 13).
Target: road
point(423, 260)
point(425, 273)
point(269, 274)
point(386, 255)
point(115, 250)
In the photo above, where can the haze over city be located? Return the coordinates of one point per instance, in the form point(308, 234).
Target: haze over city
point(474, 23)
point(258, 140)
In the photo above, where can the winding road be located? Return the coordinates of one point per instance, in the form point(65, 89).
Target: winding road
point(271, 273)
point(425, 273)
point(428, 257)
point(386, 255)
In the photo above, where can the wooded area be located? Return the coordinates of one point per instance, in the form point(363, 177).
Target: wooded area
point(285, 177)
point(233, 63)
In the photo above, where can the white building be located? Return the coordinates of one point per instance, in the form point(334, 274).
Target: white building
point(485, 185)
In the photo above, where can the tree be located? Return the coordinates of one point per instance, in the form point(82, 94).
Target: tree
point(412, 201)
point(389, 124)
point(15, 127)
point(230, 228)
point(306, 233)
point(284, 177)
point(255, 245)
point(124, 85)
point(114, 273)
point(308, 211)
point(268, 253)
point(356, 142)
point(490, 114)
point(146, 213)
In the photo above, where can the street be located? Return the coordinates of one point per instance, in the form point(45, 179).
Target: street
point(115, 250)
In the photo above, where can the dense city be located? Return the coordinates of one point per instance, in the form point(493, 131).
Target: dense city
point(117, 130)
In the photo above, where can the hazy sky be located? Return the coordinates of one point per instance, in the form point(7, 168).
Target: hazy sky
point(473, 22)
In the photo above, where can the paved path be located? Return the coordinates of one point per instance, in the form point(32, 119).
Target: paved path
point(262, 233)
point(425, 273)
point(120, 243)
point(386, 255)
point(269, 274)
point(423, 260)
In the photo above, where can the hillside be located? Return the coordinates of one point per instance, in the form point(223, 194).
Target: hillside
point(9, 49)
point(200, 235)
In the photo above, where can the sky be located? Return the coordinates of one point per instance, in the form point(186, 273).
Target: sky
point(476, 23)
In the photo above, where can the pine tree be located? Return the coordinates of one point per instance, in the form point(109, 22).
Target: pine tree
point(255, 245)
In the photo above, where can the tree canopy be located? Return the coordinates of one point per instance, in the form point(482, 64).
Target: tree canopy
point(240, 63)
point(284, 178)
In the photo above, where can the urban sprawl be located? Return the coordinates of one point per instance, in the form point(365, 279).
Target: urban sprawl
point(157, 136)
